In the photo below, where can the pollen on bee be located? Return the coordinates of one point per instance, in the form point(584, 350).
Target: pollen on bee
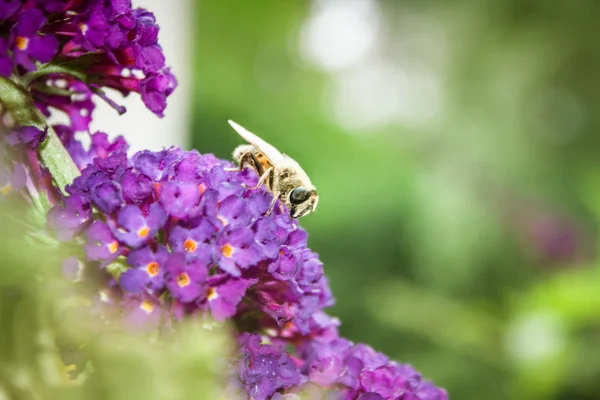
point(212, 294)
point(190, 246)
point(227, 250)
point(21, 42)
point(143, 232)
point(183, 279)
point(153, 269)
point(147, 306)
point(113, 247)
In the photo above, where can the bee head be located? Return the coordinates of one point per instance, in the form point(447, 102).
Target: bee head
point(302, 201)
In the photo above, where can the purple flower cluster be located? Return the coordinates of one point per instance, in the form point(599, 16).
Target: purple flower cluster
point(327, 367)
point(106, 42)
point(189, 229)
point(196, 242)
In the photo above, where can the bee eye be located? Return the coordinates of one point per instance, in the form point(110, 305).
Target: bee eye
point(299, 195)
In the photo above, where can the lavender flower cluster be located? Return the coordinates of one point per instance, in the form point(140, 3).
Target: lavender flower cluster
point(172, 234)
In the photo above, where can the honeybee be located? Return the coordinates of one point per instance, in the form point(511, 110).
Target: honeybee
point(281, 174)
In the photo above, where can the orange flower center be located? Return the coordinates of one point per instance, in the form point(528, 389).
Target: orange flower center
point(189, 246)
point(147, 306)
point(153, 269)
point(143, 232)
point(227, 250)
point(183, 279)
point(222, 219)
point(113, 247)
point(83, 27)
point(212, 294)
point(21, 42)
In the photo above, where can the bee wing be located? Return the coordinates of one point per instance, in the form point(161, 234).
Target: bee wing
point(269, 151)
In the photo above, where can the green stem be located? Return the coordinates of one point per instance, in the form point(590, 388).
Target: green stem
point(51, 153)
point(51, 69)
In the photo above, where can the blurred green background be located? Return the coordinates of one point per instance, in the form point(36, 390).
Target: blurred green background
point(455, 151)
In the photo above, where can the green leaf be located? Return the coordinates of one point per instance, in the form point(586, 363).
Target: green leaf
point(51, 153)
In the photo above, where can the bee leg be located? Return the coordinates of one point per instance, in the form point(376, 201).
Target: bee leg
point(244, 159)
point(262, 179)
point(271, 206)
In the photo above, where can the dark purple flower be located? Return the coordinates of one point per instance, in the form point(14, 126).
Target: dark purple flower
point(107, 196)
point(286, 266)
point(390, 381)
point(146, 30)
point(27, 136)
point(136, 187)
point(148, 269)
point(102, 147)
point(224, 295)
point(93, 30)
point(155, 89)
point(180, 200)
point(150, 163)
point(120, 6)
point(368, 356)
point(114, 165)
point(27, 44)
point(232, 211)
point(186, 280)
point(192, 242)
point(148, 58)
point(235, 249)
point(167, 164)
point(259, 202)
point(265, 368)
point(271, 235)
point(135, 228)
point(311, 272)
point(8, 8)
point(6, 64)
point(327, 364)
point(101, 244)
point(224, 183)
point(67, 221)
